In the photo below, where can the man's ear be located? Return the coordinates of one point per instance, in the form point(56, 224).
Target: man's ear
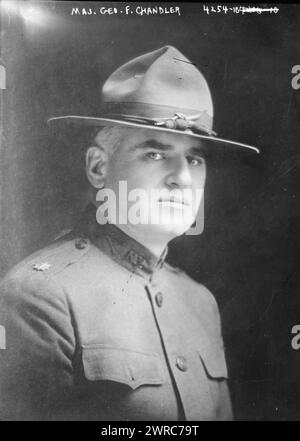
point(96, 164)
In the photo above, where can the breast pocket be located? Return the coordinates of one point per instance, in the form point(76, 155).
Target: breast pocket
point(133, 368)
point(213, 360)
point(214, 373)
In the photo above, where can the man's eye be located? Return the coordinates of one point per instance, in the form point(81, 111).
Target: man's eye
point(156, 156)
point(195, 161)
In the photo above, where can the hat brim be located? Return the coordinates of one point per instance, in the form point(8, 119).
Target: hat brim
point(99, 122)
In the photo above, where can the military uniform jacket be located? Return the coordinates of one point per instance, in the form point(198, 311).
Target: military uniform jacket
point(94, 327)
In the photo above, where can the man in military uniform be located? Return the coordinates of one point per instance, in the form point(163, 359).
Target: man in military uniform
point(98, 326)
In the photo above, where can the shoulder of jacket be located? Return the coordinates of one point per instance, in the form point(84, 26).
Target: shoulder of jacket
point(52, 259)
point(182, 275)
point(173, 269)
point(201, 291)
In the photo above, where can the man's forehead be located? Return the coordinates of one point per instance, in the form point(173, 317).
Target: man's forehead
point(143, 138)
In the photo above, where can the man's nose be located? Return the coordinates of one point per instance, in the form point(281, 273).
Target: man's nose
point(179, 175)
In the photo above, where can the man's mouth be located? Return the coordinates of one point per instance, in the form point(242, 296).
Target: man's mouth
point(173, 202)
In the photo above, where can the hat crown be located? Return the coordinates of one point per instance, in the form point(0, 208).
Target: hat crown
point(161, 90)
point(164, 77)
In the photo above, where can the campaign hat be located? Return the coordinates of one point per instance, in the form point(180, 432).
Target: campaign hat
point(161, 90)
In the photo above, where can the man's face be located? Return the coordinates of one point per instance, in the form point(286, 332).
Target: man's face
point(164, 174)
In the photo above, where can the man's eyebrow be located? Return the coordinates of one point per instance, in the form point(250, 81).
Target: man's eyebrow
point(197, 150)
point(157, 145)
point(152, 144)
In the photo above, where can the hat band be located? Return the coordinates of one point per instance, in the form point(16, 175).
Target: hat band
point(160, 116)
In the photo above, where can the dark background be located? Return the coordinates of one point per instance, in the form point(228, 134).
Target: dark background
point(248, 253)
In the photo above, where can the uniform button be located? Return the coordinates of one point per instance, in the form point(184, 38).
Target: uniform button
point(181, 363)
point(159, 299)
point(80, 243)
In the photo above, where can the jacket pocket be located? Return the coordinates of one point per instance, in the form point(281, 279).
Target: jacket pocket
point(213, 361)
point(104, 362)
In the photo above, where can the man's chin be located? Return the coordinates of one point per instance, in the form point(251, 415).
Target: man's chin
point(168, 231)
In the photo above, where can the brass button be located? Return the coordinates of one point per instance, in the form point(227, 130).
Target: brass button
point(181, 363)
point(80, 243)
point(159, 299)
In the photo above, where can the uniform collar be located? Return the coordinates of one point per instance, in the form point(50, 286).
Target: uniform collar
point(119, 246)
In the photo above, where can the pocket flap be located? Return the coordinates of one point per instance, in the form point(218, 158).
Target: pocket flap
point(104, 362)
point(213, 360)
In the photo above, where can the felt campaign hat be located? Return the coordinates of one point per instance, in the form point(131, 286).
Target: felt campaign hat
point(161, 90)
